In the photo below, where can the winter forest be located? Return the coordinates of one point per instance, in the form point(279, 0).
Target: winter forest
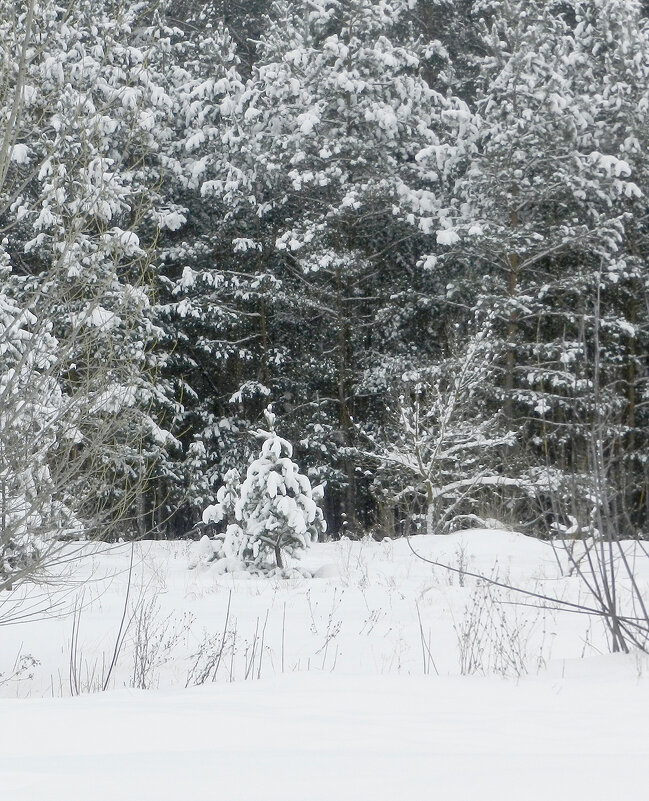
point(342, 273)
point(416, 230)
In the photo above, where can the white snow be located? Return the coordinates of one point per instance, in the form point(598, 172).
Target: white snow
point(346, 696)
point(20, 154)
point(447, 236)
point(128, 240)
point(308, 120)
point(98, 317)
point(611, 164)
point(331, 738)
point(171, 219)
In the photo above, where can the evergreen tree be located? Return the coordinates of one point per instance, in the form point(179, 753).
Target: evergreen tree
point(321, 211)
point(277, 511)
point(541, 216)
point(201, 301)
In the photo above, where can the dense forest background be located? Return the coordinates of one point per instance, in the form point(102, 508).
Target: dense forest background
point(418, 230)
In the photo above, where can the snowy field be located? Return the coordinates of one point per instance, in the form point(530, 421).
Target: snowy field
point(382, 677)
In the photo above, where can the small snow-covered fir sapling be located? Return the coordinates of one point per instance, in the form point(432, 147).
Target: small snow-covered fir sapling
point(276, 509)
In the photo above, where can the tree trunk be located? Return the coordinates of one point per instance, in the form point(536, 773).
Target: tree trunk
point(344, 411)
point(141, 514)
point(512, 324)
point(278, 556)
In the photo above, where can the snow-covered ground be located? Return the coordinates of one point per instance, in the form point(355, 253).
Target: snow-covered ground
point(383, 677)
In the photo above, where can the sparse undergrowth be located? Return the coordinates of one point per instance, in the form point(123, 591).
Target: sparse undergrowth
point(352, 606)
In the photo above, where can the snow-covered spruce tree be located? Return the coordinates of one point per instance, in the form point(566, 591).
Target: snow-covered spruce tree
point(318, 195)
point(542, 212)
point(206, 303)
point(612, 53)
point(277, 510)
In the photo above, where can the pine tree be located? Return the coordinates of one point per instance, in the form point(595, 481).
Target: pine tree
point(228, 541)
point(277, 512)
point(612, 54)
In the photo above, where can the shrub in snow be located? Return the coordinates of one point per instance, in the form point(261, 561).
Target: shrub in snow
point(203, 552)
point(275, 511)
point(34, 418)
point(226, 499)
point(226, 544)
